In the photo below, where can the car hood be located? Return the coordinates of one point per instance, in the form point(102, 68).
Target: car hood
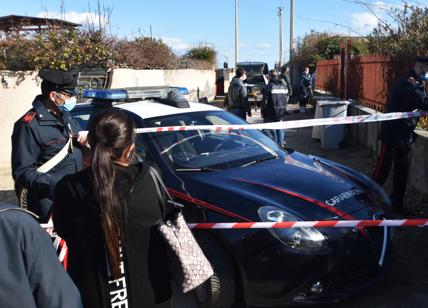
point(302, 184)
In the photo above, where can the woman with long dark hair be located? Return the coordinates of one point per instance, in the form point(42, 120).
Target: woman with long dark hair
point(107, 215)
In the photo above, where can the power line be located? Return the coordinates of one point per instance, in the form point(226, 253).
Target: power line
point(331, 22)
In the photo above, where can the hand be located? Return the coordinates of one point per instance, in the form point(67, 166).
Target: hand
point(82, 138)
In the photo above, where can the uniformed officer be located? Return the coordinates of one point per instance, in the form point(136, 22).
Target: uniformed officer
point(40, 134)
point(397, 136)
point(30, 274)
point(274, 107)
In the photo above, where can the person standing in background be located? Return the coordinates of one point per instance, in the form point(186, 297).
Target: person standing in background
point(305, 89)
point(237, 95)
point(398, 136)
point(274, 106)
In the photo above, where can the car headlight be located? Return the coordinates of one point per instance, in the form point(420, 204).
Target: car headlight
point(307, 239)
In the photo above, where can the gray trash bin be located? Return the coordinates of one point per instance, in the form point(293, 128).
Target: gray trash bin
point(332, 135)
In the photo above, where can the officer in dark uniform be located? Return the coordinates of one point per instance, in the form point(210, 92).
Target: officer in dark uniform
point(274, 107)
point(397, 136)
point(40, 134)
point(30, 273)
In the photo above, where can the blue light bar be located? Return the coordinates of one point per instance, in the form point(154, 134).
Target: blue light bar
point(118, 94)
point(133, 93)
point(183, 90)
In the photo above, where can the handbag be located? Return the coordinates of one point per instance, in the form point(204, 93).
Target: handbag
point(187, 263)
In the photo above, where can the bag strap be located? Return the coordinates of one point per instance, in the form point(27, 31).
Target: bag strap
point(162, 191)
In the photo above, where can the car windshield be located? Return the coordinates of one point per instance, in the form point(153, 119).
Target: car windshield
point(204, 150)
point(253, 69)
point(258, 79)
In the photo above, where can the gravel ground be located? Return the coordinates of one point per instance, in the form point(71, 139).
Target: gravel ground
point(405, 282)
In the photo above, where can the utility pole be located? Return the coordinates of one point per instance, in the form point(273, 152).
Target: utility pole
point(236, 32)
point(291, 28)
point(281, 53)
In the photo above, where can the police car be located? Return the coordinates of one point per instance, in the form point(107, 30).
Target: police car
point(243, 176)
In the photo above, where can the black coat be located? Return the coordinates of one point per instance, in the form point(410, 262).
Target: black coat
point(407, 95)
point(76, 219)
point(305, 83)
point(237, 95)
point(274, 101)
point(36, 138)
point(285, 78)
point(30, 273)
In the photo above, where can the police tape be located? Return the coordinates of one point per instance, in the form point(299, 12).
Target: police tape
point(313, 224)
point(291, 124)
point(422, 222)
point(62, 249)
point(59, 244)
point(286, 124)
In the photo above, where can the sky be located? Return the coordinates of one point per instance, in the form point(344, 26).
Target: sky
point(184, 24)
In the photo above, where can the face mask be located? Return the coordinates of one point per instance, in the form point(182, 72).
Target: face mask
point(68, 104)
point(424, 76)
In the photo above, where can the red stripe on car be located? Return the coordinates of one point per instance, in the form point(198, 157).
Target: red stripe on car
point(204, 204)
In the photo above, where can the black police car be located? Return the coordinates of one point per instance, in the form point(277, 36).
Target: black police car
point(241, 176)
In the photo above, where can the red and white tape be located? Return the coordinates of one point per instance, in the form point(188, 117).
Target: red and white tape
point(291, 124)
point(59, 244)
point(422, 222)
point(313, 224)
point(287, 124)
point(62, 249)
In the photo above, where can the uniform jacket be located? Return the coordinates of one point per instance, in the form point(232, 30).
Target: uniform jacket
point(76, 219)
point(274, 100)
point(285, 78)
point(407, 95)
point(30, 273)
point(237, 95)
point(36, 138)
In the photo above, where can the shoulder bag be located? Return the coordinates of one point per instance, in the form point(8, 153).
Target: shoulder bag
point(188, 265)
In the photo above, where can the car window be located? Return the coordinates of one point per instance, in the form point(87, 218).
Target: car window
point(84, 115)
point(209, 149)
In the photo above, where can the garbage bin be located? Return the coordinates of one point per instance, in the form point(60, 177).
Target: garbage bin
point(316, 130)
point(332, 135)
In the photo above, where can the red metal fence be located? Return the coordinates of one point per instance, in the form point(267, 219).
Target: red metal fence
point(367, 79)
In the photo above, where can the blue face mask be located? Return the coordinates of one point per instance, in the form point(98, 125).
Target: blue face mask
point(69, 104)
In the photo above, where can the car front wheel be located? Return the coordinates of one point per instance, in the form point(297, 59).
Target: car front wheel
point(220, 290)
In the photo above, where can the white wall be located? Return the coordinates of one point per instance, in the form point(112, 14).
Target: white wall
point(200, 83)
point(18, 89)
point(17, 92)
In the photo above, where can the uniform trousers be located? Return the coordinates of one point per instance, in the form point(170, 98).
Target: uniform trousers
point(392, 153)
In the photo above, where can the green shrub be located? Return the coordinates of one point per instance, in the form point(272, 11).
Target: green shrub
point(87, 47)
point(204, 53)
